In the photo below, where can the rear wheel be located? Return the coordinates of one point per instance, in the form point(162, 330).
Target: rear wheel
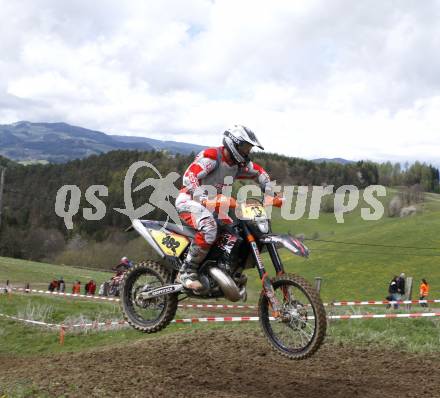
point(147, 315)
point(113, 291)
point(301, 329)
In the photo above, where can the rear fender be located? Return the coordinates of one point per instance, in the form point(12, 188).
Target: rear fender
point(166, 243)
point(141, 229)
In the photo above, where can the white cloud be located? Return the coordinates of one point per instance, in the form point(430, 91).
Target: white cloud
point(313, 79)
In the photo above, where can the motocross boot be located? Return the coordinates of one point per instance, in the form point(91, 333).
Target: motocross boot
point(189, 276)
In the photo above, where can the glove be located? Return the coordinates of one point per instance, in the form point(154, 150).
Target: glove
point(276, 201)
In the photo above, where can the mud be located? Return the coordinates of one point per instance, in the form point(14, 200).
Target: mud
point(225, 363)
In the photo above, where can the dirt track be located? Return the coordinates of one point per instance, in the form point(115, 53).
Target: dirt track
point(227, 363)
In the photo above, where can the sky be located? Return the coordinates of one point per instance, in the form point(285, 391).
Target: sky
point(351, 79)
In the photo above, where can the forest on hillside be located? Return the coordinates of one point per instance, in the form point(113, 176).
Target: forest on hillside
point(31, 229)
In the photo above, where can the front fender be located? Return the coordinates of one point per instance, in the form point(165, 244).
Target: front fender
point(288, 242)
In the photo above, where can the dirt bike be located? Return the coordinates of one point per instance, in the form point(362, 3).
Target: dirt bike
point(111, 287)
point(291, 312)
point(115, 285)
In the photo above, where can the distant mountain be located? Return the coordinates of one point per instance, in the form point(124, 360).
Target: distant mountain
point(158, 145)
point(333, 160)
point(6, 162)
point(61, 142)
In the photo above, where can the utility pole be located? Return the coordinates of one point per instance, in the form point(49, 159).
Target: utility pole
point(2, 183)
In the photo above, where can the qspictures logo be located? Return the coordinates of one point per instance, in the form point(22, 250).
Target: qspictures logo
point(345, 198)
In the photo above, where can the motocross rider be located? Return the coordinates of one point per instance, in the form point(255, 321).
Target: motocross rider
point(210, 167)
point(124, 265)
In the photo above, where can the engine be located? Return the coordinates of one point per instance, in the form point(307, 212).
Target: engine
point(224, 276)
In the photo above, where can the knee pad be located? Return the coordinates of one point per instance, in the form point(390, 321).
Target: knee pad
point(208, 227)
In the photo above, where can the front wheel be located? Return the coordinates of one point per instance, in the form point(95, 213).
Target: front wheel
point(147, 315)
point(301, 328)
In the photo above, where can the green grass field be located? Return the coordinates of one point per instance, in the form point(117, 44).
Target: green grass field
point(413, 335)
point(39, 275)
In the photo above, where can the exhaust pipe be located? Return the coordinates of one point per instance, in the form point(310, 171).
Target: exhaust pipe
point(226, 283)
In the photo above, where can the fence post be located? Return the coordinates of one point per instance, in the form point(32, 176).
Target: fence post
point(62, 331)
point(408, 290)
point(8, 289)
point(318, 282)
point(27, 288)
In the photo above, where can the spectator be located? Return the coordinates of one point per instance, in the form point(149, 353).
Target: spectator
point(103, 289)
point(61, 285)
point(401, 286)
point(53, 285)
point(58, 285)
point(92, 287)
point(76, 288)
point(393, 295)
point(86, 288)
point(424, 292)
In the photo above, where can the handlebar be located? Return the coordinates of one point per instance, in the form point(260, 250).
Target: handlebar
point(219, 201)
point(231, 203)
point(276, 201)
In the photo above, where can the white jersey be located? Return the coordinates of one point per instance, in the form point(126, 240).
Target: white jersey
point(210, 168)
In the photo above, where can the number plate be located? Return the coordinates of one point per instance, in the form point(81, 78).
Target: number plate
point(253, 212)
point(171, 244)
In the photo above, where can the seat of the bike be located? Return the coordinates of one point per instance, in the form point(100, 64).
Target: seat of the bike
point(186, 231)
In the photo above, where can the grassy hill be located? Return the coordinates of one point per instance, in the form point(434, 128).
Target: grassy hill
point(383, 248)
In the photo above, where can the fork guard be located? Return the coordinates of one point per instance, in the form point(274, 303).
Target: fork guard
point(288, 242)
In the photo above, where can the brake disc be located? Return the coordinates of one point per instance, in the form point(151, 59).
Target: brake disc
point(145, 303)
point(295, 314)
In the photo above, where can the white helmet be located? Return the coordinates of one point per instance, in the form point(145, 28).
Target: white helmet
point(234, 138)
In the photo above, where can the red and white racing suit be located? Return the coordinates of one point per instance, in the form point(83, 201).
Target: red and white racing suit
point(210, 168)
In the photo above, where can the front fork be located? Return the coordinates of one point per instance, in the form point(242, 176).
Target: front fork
point(279, 268)
point(267, 284)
